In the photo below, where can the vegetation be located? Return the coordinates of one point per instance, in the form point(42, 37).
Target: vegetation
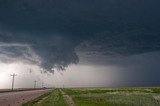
point(35, 101)
point(54, 98)
point(104, 90)
point(115, 97)
point(101, 97)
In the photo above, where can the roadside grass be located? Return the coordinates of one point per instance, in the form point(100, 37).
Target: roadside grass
point(54, 98)
point(35, 101)
point(115, 97)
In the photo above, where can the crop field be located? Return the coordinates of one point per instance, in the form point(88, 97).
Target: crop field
point(100, 97)
point(115, 97)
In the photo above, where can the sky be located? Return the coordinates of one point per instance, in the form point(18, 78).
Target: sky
point(80, 43)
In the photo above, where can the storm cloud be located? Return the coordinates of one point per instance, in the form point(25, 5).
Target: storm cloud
point(55, 34)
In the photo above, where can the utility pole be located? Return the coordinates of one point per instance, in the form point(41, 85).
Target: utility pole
point(35, 82)
point(13, 75)
point(42, 84)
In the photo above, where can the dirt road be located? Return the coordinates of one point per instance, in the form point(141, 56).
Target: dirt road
point(68, 99)
point(17, 98)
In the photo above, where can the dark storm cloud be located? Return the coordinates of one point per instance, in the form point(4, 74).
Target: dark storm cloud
point(49, 52)
point(121, 44)
point(54, 28)
point(13, 52)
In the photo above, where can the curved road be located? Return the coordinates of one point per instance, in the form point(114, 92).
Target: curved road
point(18, 98)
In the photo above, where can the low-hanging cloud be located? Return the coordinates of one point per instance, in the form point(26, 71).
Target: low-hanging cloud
point(49, 53)
point(11, 52)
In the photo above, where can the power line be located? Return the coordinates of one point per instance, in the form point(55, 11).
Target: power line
point(13, 75)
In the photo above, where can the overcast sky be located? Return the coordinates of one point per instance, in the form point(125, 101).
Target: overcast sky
point(80, 43)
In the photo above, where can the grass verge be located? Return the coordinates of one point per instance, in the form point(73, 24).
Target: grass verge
point(54, 98)
point(35, 101)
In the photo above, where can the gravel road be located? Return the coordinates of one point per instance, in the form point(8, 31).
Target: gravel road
point(18, 98)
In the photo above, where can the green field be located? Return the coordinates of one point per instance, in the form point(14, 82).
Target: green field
point(115, 97)
point(103, 97)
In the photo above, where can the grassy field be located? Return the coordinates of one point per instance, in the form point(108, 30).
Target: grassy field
point(54, 98)
point(101, 97)
point(115, 97)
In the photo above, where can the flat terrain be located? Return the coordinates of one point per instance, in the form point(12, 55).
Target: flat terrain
point(100, 97)
point(18, 89)
point(17, 98)
point(54, 98)
point(115, 97)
